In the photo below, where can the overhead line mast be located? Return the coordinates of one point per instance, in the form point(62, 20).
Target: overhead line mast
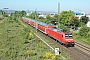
point(58, 15)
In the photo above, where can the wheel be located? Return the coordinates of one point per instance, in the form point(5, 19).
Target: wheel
point(61, 43)
point(72, 45)
point(57, 40)
point(66, 45)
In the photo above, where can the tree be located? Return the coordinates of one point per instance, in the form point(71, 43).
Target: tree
point(54, 20)
point(48, 17)
point(23, 13)
point(33, 15)
point(84, 31)
point(64, 28)
point(19, 14)
point(1, 12)
point(5, 14)
point(84, 19)
point(56, 16)
point(74, 21)
point(65, 17)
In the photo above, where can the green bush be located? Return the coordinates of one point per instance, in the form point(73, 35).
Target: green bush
point(84, 31)
point(64, 27)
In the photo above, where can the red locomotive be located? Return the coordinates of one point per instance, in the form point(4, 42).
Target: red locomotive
point(60, 35)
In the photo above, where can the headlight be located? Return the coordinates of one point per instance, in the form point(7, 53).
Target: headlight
point(67, 39)
point(71, 39)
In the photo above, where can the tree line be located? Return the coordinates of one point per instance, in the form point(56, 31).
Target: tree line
point(65, 20)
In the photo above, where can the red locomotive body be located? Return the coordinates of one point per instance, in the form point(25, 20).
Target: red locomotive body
point(62, 36)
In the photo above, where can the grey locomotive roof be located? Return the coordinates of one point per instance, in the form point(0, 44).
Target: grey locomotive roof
point(58, 30)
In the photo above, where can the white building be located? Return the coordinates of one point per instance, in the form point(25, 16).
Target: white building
point(42, 15)
point(88, 24)
point(88, 16)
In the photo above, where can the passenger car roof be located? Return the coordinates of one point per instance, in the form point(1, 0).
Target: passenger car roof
point(43, 24)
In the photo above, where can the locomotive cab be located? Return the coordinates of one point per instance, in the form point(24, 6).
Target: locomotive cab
point(69, 39)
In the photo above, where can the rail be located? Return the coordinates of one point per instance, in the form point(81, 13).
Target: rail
point(82, 46)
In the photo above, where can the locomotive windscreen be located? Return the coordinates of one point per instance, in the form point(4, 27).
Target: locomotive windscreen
point(68, 35)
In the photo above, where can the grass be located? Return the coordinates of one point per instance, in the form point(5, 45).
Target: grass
point(17, 44)
point(85, 40)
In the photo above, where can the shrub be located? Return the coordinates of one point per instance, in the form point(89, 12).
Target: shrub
point(49, 55)
point(64, 27)
point(84, 31)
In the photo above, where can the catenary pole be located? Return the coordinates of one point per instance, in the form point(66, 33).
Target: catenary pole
point(58, 15)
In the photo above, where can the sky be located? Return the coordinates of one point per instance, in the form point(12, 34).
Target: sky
point(46, 5)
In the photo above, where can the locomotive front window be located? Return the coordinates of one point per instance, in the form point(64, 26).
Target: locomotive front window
point(68, 35)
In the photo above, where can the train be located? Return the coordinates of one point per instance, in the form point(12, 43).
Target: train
point(62, 36)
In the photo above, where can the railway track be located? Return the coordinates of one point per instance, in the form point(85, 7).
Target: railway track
point(83, 50)
point(76, 53)
point(82, 46)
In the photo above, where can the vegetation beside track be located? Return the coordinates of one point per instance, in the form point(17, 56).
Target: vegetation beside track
point(84, 40)
point(83, 35)
point(18, 42)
